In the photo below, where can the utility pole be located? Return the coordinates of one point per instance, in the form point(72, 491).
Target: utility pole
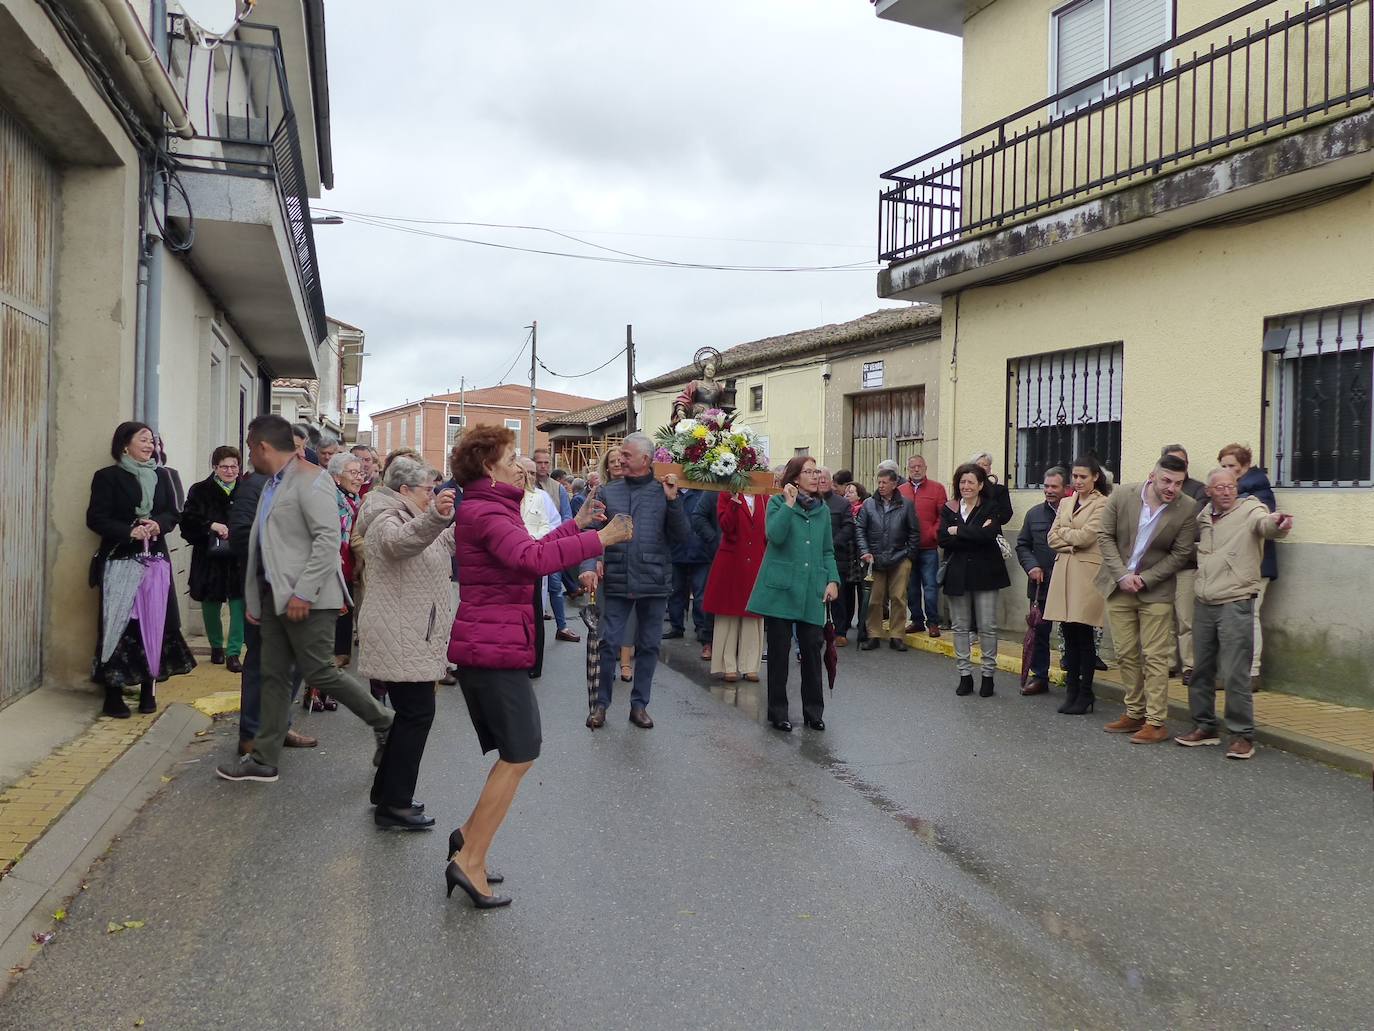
point(534, 359)
point(629, 380)
point(462, 405)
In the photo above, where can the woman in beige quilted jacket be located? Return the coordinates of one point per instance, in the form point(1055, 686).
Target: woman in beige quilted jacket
point(404, 624)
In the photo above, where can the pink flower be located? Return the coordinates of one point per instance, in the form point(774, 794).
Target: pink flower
point(663, 455)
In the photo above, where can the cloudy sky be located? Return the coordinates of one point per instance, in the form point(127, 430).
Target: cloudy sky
point(718, 131)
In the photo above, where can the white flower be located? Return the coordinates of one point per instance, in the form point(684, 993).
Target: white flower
point(685, 426)
point(725, 465)
point(712, 439)
point(747, 433)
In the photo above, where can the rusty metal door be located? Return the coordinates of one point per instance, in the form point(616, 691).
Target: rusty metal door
point(28, 188)
point(890, 424)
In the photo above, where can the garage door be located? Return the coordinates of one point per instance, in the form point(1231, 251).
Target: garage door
point(27, 209)
point(886, 425)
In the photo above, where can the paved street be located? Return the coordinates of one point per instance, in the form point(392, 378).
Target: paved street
point(928, 861)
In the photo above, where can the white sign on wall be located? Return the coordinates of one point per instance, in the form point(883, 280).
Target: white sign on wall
point(872, 375)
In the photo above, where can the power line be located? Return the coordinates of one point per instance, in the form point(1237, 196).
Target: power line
point(863, 266)
point(516, 360)
point(581, 375)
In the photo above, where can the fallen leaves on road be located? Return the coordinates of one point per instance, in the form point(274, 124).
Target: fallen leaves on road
point(127, 925)
point(60, 915)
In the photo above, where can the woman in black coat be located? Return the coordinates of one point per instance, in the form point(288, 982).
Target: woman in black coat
point(133, 502)
point(216, 573)
point(974, 571)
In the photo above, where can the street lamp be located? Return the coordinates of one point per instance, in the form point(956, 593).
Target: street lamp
point(328, 220)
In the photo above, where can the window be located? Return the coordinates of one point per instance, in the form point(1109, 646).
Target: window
point(1318, 391)
point(405, 431)
point(1063, 405)
point(417, 429)
point(756, 399)
point(1093, 35)
point(801, 452)
point(388, 437)
point(872, 375)
point(513, 424)
point(455, 430)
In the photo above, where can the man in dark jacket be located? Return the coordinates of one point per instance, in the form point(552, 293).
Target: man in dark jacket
point(691, 566)
point(1036, 556)
point(241, 513)
point(638, 575)
point(846, 558)
point(888, 534)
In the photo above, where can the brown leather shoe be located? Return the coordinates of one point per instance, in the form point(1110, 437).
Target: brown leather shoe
point(911, 628)
point(640, 718)
point(705, 656)
point(1036, 686)
point(1198, 736)
point(1150, 735)
point(296, 740)
point(1240, 748)
point(1124, 725)
point(841, 642)
point(567, 635)
point(596, 719)
point(933, 630)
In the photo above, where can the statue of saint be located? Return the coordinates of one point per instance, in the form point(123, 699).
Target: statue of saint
point(703, 392)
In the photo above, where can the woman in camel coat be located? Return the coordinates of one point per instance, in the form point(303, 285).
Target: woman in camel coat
point(1074, 600)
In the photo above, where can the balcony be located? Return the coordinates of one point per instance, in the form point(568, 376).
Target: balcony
point(239, 190)
point(1239, 114)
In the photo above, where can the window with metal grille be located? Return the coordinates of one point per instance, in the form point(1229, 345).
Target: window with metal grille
point(1318, 393)
point(756, 399)
point(1060, 406)
point(455, 429)
point(1093, 35)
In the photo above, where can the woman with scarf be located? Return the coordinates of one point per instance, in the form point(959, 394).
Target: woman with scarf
point(216, 573)
point(133, 505)
point(347, 470)
point(797, 580)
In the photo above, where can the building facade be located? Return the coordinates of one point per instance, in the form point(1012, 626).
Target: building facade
point(324, 403)
point(850, 394)
point(433, 424)
point(158, 264)
point(579, 438)
point(1171, 245)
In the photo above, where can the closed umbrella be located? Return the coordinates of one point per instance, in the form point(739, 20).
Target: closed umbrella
point(119, 587)
point(1033, 620)
point(832, 655)
point(150, 606)
point(591, 616)
point(863, 600)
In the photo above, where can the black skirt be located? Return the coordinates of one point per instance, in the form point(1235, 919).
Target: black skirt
point(504, 711)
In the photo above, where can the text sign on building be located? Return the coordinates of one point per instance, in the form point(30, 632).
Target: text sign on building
point(872, 375)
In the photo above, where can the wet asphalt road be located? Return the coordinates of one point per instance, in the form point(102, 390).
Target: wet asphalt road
point(929, 861)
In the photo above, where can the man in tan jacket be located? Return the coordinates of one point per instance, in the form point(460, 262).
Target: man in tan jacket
point(1147, 535)
point(1231, 536)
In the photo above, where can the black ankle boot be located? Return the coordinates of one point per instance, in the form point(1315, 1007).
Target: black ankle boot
point(1083, 701)
point(1071, 690)
point(965, 686)
point(985, 691)
point(147, 699)
point(114, 704)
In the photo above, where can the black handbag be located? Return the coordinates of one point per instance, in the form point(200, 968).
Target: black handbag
point(219, 547)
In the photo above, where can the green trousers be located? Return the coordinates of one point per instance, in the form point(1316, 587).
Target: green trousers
point(214, 626)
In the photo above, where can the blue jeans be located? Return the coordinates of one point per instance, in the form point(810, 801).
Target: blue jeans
point(250, 684)
point(560, 617)
point(922, 587)
point(689, 578)
point(615, 613)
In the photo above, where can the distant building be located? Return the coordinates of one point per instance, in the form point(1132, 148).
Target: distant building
point(579, 437)
point(324, 402)
point(432, 424)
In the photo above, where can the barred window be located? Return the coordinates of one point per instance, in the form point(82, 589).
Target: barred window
point(756, 399)
point(455, 429)
point(1063, 405)
point(1318, 391)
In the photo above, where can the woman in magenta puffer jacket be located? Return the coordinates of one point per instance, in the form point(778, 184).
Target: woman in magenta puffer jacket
point(500, 566)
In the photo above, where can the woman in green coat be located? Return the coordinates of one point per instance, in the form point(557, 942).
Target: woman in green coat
point(797, 580)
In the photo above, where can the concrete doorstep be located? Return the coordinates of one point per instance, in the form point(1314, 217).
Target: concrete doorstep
point(53, 869)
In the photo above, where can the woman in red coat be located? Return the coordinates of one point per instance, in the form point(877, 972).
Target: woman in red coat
point(737, 648)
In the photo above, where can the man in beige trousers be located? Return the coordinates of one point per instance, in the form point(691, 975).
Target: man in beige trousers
point(1148, 534)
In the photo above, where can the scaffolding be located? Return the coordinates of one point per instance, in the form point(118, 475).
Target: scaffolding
point(579, 457)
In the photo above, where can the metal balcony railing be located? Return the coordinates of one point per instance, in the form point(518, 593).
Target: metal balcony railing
point(239, 100)
point(1242, 80)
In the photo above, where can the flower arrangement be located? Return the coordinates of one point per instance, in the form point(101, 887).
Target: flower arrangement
point(712, 450)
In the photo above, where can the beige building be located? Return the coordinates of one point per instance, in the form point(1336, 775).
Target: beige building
point(324, 402)
point(1169, 244)
point(851, 394)
point(174, 296)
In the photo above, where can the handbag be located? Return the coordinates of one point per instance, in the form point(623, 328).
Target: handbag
point(219, 547)
point(1004, 547)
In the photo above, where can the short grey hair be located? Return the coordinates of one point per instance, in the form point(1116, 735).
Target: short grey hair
point(342, 461)
point(1055, 470)
point(978, 456)
point(1220, 470)
point(407, 472)
point(641, 441)
point(579, 484)
point(887, 464)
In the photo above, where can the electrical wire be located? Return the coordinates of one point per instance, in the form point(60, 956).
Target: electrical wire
point(627, 259)
point(580, 375)
point(529, 336)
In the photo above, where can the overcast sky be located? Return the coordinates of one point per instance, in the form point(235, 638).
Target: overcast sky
point(675, 131)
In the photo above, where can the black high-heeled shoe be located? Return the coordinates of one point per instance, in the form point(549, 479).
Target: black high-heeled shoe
point(985, 691)
point(455, 878)
point(965, 686)
point(455, 845)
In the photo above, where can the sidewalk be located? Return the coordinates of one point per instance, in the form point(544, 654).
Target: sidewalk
point(1339, 735)
point(35, 801)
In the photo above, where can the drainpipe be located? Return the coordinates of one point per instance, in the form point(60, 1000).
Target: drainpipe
point(147, 393)
point(142, 52)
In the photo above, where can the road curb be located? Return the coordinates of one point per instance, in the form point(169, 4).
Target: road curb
point(51, 871)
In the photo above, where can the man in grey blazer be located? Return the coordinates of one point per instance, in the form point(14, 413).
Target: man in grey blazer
point(1148, 533)
point(293, 590)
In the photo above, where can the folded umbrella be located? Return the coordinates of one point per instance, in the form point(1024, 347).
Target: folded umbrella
point(832, 655)
point(150, 607)
point(118, 588)
point(1033, 620)
point(591, 616)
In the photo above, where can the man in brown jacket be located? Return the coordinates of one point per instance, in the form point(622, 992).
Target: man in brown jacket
point(1231, 536)
point(1147, 535)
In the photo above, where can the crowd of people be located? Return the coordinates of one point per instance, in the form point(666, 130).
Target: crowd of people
point(317, 551)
